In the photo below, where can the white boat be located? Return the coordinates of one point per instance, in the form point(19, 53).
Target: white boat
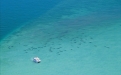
point(36, 60)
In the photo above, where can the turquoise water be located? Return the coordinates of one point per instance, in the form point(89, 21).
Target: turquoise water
point(72, 38)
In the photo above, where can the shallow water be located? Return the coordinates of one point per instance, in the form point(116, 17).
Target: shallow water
point(78, 40)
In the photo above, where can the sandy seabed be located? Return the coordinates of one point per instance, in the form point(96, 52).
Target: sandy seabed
point(76, 50)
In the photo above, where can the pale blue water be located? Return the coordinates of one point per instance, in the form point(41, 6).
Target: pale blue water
point(71, 37)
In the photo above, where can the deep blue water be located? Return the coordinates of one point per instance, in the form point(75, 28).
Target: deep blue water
point(16, 12)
